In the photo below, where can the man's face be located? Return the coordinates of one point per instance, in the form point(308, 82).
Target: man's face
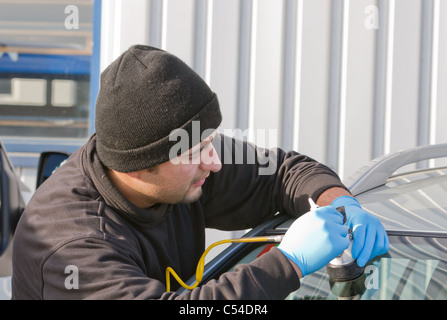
point(176, 181)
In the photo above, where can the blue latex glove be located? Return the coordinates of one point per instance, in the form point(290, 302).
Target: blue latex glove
point(315, 238)
point(369, 235)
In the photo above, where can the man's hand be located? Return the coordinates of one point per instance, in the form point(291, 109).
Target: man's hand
point(370, 238)
point(314, 239)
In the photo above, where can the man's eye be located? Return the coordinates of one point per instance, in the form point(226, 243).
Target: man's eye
point(194, 154)
point(198, 152)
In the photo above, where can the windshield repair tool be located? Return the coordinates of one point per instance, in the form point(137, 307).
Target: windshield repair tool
point(344, 267)
point(201, 264)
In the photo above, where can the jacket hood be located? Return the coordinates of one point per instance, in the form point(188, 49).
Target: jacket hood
point(96, 171)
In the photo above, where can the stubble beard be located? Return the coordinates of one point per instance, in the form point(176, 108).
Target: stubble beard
point(192, 196)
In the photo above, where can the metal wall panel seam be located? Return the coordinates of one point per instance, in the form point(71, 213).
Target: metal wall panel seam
point(252, 77)
point(244, 65)
point(298, 75)
point(164, 24)
point(209, 34)
point(289, 89)
point(155, 23)
point(425, 76)
point(343, 89)
point(389, 76)
point(380, 81)
point(334, 85)
point(434, 73)
point(200, 37)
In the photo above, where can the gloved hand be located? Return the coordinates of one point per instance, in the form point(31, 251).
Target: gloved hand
point(315, 238)
point(369, 235)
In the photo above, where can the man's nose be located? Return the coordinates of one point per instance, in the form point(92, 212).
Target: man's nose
point(210, 160)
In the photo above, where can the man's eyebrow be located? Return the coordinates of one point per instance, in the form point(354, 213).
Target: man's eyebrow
point(206, 144)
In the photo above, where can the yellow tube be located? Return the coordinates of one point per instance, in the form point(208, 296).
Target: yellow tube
point(201, 263)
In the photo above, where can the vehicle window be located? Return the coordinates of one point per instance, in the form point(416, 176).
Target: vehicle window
point(45, 66)
point(414, 268)
point(1, 193)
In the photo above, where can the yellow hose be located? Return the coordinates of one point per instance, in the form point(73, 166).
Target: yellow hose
point(201, 263)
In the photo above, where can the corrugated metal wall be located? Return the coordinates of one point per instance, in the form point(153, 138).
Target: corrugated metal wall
point(343, 80)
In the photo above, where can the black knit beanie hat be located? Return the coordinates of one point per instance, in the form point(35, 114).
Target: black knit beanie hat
point(144, 95)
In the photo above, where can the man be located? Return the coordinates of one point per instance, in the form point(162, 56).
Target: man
point(134, 200)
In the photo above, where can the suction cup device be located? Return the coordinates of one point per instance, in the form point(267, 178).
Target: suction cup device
point(344, 267)
point(348, 290)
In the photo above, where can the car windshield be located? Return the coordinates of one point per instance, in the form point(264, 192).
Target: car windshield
point(414, 268)
point(413, 209)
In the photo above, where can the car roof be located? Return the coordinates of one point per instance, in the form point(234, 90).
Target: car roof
point(411, 200)
point(415, 201)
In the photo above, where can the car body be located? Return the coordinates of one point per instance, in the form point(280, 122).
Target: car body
point(413, 208)
point(14, 195)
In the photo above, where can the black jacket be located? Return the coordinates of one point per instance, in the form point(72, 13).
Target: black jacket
point(78, 224)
